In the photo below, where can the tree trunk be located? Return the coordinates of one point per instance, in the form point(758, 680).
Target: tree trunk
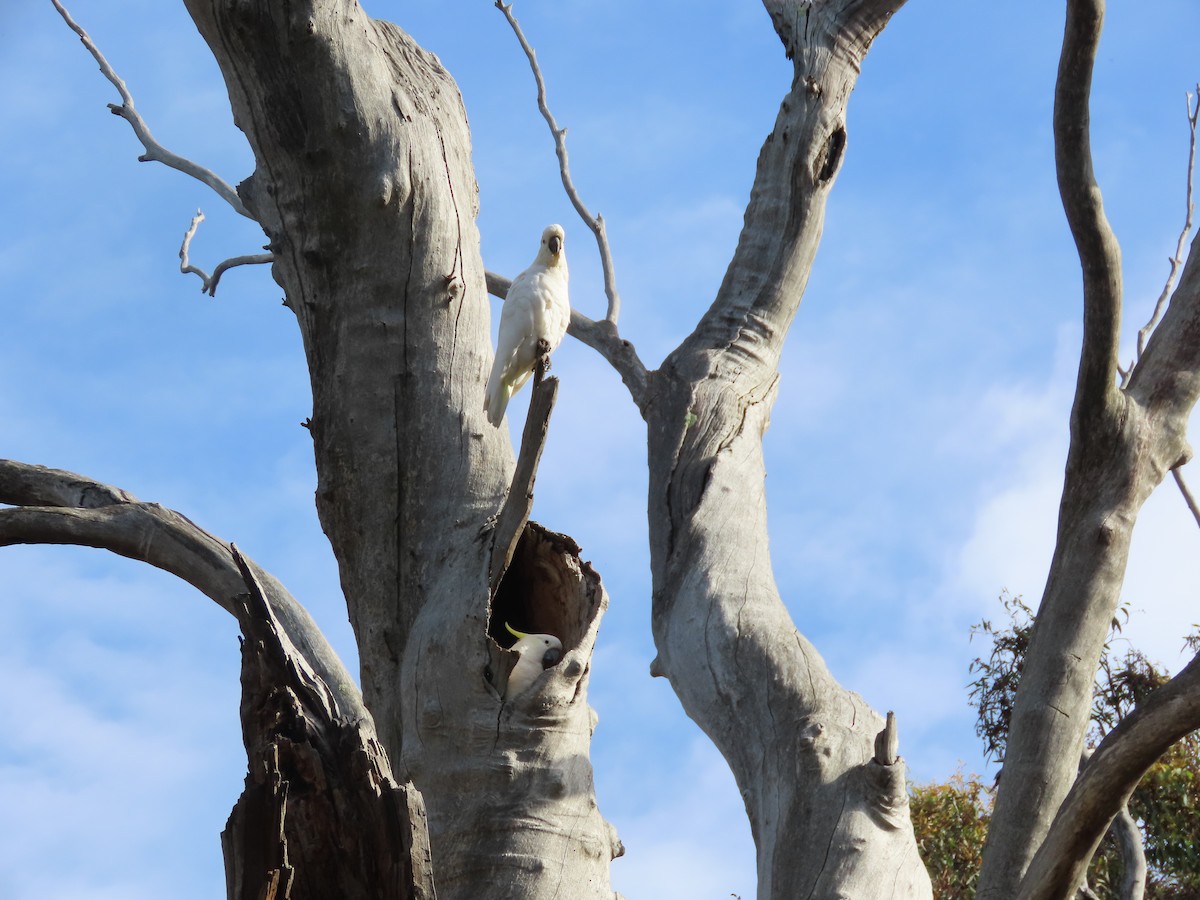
point(364, 185)
point(800, 745)
point(1123, 443)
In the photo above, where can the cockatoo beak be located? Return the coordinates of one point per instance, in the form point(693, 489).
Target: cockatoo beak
point(517, 634)
point(555, 244)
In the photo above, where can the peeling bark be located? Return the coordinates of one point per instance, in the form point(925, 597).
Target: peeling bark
point(321, 815)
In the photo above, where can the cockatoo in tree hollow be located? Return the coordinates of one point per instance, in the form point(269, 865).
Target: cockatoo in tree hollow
point(535, 652)
point(532, 324)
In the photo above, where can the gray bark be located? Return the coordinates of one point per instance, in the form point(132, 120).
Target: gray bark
point(801, 746)
point(1107, 781)
point(1123, 442)
point(364, 186)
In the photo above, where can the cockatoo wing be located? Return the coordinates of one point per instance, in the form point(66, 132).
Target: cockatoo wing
point(536, 308)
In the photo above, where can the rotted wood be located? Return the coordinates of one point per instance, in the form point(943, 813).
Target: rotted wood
point(321, 815)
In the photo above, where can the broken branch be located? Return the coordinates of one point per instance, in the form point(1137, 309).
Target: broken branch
point(519, 502)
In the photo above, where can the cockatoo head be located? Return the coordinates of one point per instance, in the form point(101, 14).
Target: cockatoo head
point(546, 649)
point(551, 252)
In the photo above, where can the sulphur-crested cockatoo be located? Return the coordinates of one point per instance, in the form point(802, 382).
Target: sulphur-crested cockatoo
point(532, 324)
point(535, 652)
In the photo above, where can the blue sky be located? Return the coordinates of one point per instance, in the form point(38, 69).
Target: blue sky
point(914, 458)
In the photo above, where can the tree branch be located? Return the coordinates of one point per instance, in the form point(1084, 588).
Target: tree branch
point(519, 501)
point(209, 283)
point(1133, 855)
point(602, 337)
point(765, 281)
point(1099, 253)
point(1107, 782)
point(154, 150)
point(339, 823)
point(1176, 260)
point(1188, 497)
point(51, 506)
point(595, 223)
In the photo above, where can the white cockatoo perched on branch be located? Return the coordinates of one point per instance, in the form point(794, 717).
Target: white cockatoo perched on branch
point(535, 653)
point(532, 324)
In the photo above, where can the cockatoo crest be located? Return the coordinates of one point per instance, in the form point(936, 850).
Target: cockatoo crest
point(535, 652)
point(532, 323)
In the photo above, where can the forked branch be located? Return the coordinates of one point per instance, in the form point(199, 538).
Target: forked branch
point(154, 150)
point(596, 222)
point(208, 283)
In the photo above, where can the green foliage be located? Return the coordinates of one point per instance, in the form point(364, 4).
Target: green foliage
point(951, 819)
point(994, 690)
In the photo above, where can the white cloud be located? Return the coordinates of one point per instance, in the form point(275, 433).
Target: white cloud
point(691, 840)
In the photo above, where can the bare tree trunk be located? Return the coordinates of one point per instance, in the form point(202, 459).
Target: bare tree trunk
point(800, 745)
point(1123, 442)
point(364, 185)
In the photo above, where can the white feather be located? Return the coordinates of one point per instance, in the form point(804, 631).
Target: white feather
point(536, 308)
point(530, 650)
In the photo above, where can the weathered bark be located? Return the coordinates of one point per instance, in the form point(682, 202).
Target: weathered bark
point(364, 185)
point(1123, 442)
point(321, 815)
point(799, 744)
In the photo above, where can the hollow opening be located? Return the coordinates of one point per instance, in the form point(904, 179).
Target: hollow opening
point(547, 589)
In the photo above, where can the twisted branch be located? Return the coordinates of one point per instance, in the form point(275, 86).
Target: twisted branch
point(1099, 253)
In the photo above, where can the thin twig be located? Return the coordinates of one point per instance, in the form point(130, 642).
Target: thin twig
point(1176, 263)
point(1188, 497)
point(154, 150)
point(596, 223)
point(209, 282)
point(1176, 260)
